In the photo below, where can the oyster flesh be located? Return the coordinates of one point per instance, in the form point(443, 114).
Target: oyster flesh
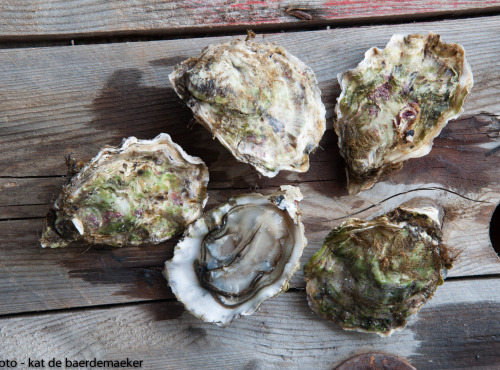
point(395, 102)
point(261, 102)
point(143, 192)
point(237, 255)
point(372, 275)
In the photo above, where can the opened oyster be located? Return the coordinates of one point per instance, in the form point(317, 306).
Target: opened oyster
point(143, 192)
point(237, 255)
point(262, 103)
point(372, 275)
point(395, 102)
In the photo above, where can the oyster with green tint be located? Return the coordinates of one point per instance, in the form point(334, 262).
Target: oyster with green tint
point(395, 102)
point(261, 102)
point(372, 275)
point(143, 192)
point(237, 255)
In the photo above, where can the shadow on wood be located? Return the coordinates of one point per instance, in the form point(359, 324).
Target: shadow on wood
point(459, 158)
point(130, 108)
point(139, 277)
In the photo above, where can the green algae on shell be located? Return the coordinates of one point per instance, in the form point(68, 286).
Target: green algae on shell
point(262, 103)
point(143, 192)
point(237, 255)
point(372, 275)
point(395, 102)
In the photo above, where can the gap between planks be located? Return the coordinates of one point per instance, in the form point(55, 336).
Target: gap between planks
point(78, 309)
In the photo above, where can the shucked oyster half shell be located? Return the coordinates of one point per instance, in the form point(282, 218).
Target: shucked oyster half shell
point(395, 102)
point(372, 275)
point(143, 192)
point(261, 102)
point(237, 255)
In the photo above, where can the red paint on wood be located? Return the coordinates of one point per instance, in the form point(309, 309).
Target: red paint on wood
point(241, 6)
point(248, 5)
point(346, 2)
point(263, 3)
point(19, 20)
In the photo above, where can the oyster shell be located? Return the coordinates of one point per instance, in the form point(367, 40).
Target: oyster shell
point(372, 275)
point(237, 255)
point(395, 102)
point(261, 102)
point(143, 192)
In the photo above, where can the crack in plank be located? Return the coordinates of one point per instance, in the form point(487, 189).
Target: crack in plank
point(432, 188)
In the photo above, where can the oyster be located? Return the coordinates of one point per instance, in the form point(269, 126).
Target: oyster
point(237, 255)
point(143, 192)
point(372, 275)
point(395, 102)
point(262, 103)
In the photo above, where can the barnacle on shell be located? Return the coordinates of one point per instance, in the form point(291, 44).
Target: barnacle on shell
point(395, 102)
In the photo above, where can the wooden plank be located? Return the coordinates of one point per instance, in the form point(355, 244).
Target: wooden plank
point(456, 329)
point(32, 279)
point(459, 160)
point(72, 18)
point(55, 101)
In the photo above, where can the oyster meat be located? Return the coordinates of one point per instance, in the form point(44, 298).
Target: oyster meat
point(143, 192)
point(372, 275)
point(261, 102)
point(237, 255)
point(395, 102)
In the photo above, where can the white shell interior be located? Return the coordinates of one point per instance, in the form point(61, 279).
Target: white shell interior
point(183, 278)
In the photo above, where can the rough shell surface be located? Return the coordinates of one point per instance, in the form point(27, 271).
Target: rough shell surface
point(261, 102)
point(372, 275)
point(143, 192)
point(237, 255)
point(395, 102)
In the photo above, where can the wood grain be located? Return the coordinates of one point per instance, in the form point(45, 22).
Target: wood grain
point(54, 101)
point(458, 328)
point(33, 279)
point(71, 18)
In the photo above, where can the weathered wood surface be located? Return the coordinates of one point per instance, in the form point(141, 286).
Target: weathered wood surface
point(59, 100)
point(33, 279)
point(73, 18)
point(54, 101)
point(457, 329)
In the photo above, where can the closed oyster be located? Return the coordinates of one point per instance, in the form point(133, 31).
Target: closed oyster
point(237, 255)
point(262, 103)
point(143, 192)
point(395, 102)
point(372, 275)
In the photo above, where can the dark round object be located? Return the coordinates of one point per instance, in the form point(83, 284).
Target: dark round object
point(495, 230)
point(375, 361)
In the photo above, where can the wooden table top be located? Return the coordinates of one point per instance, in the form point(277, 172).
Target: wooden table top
point(76, 76)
